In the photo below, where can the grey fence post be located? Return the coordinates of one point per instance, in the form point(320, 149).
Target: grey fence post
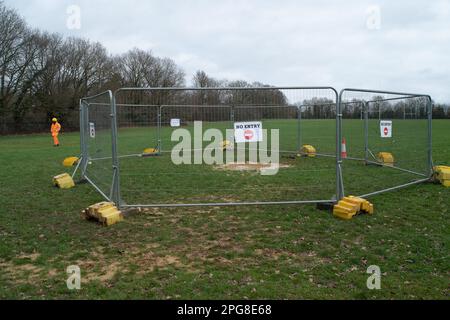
point(299, 133)
point(115, 188)
point(159, 129)
point(430, 135)
point(83, 140)
point(366, 131)
point(232, 120)
point(339, 182)
point(232, 116)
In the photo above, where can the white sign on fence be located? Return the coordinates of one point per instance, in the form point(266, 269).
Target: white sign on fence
point(386, 128)
point(175, 123)
point(248, 132)
point(92, 129)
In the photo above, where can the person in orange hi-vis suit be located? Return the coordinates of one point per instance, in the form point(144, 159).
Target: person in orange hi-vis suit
point(56, 127)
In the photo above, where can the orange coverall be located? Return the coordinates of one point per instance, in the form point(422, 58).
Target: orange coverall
point(56, 127)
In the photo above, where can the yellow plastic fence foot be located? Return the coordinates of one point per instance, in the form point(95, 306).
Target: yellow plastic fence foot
point(105, 213)
point(386, 158)
point(70, 161)
point(350, 206)
point(226, 145)
point(63, 181)
point(308, 151)
point(442, 175)
point(149, 152)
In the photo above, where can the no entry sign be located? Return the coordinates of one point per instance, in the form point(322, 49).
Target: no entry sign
point(92, 129)
point(248, 132)
point(386, 128)
point(175, 123)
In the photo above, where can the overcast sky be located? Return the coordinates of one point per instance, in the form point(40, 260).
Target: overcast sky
point(391, 45)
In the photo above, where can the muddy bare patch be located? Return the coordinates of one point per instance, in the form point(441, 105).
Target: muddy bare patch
point(31, 256)
point(149, 261)
point(249, 166)
point(148, 211)
point(106, 273)
point(305, 258)
point(21, 273)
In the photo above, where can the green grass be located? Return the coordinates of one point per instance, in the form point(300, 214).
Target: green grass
point(280, 252)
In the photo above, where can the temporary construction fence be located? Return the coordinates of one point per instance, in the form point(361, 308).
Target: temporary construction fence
point(98, 137)
point(392, 145)
point(127, 141)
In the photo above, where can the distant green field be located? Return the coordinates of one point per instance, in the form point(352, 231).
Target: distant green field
point(274, 252)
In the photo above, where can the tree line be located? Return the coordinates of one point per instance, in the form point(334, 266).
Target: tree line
point(44, 75)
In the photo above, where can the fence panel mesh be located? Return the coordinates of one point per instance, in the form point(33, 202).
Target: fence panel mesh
point(146, 119)
point(375, 123)
point(212, 117)
point(152, 119)
point(97, 137)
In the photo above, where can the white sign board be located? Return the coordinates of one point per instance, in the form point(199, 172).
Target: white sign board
point(175, 122)
point(386, 128)
point(248, 132)
point(92, 129)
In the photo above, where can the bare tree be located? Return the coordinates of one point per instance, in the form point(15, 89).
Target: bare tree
point(43, 75)
point(139, 68)
point(202, 80)
point(15, 36)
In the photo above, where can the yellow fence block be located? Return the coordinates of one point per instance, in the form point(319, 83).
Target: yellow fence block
point(436, 168)
point(442, 174)
point(105, 213)
point(63, 181)
point(70, 161)
point(226, 145)
point(386, 158)
point(350, 206)
point(308, 151)
point(150, 152)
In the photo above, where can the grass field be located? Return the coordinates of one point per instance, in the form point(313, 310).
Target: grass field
point(279, 252)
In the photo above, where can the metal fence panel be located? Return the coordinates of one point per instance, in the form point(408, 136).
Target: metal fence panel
point(211, 116)
point(115, 130)
point(144, 121)
point(409, 118)
point(97, 141)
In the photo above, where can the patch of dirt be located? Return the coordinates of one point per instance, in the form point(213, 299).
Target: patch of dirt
point(162, 262)
point(307, 257)
point(148, 211)
point(52, 273)
point(250, 166)
point(106, 274)
point(21, 273)
point(149, 261)
point(31, 256)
